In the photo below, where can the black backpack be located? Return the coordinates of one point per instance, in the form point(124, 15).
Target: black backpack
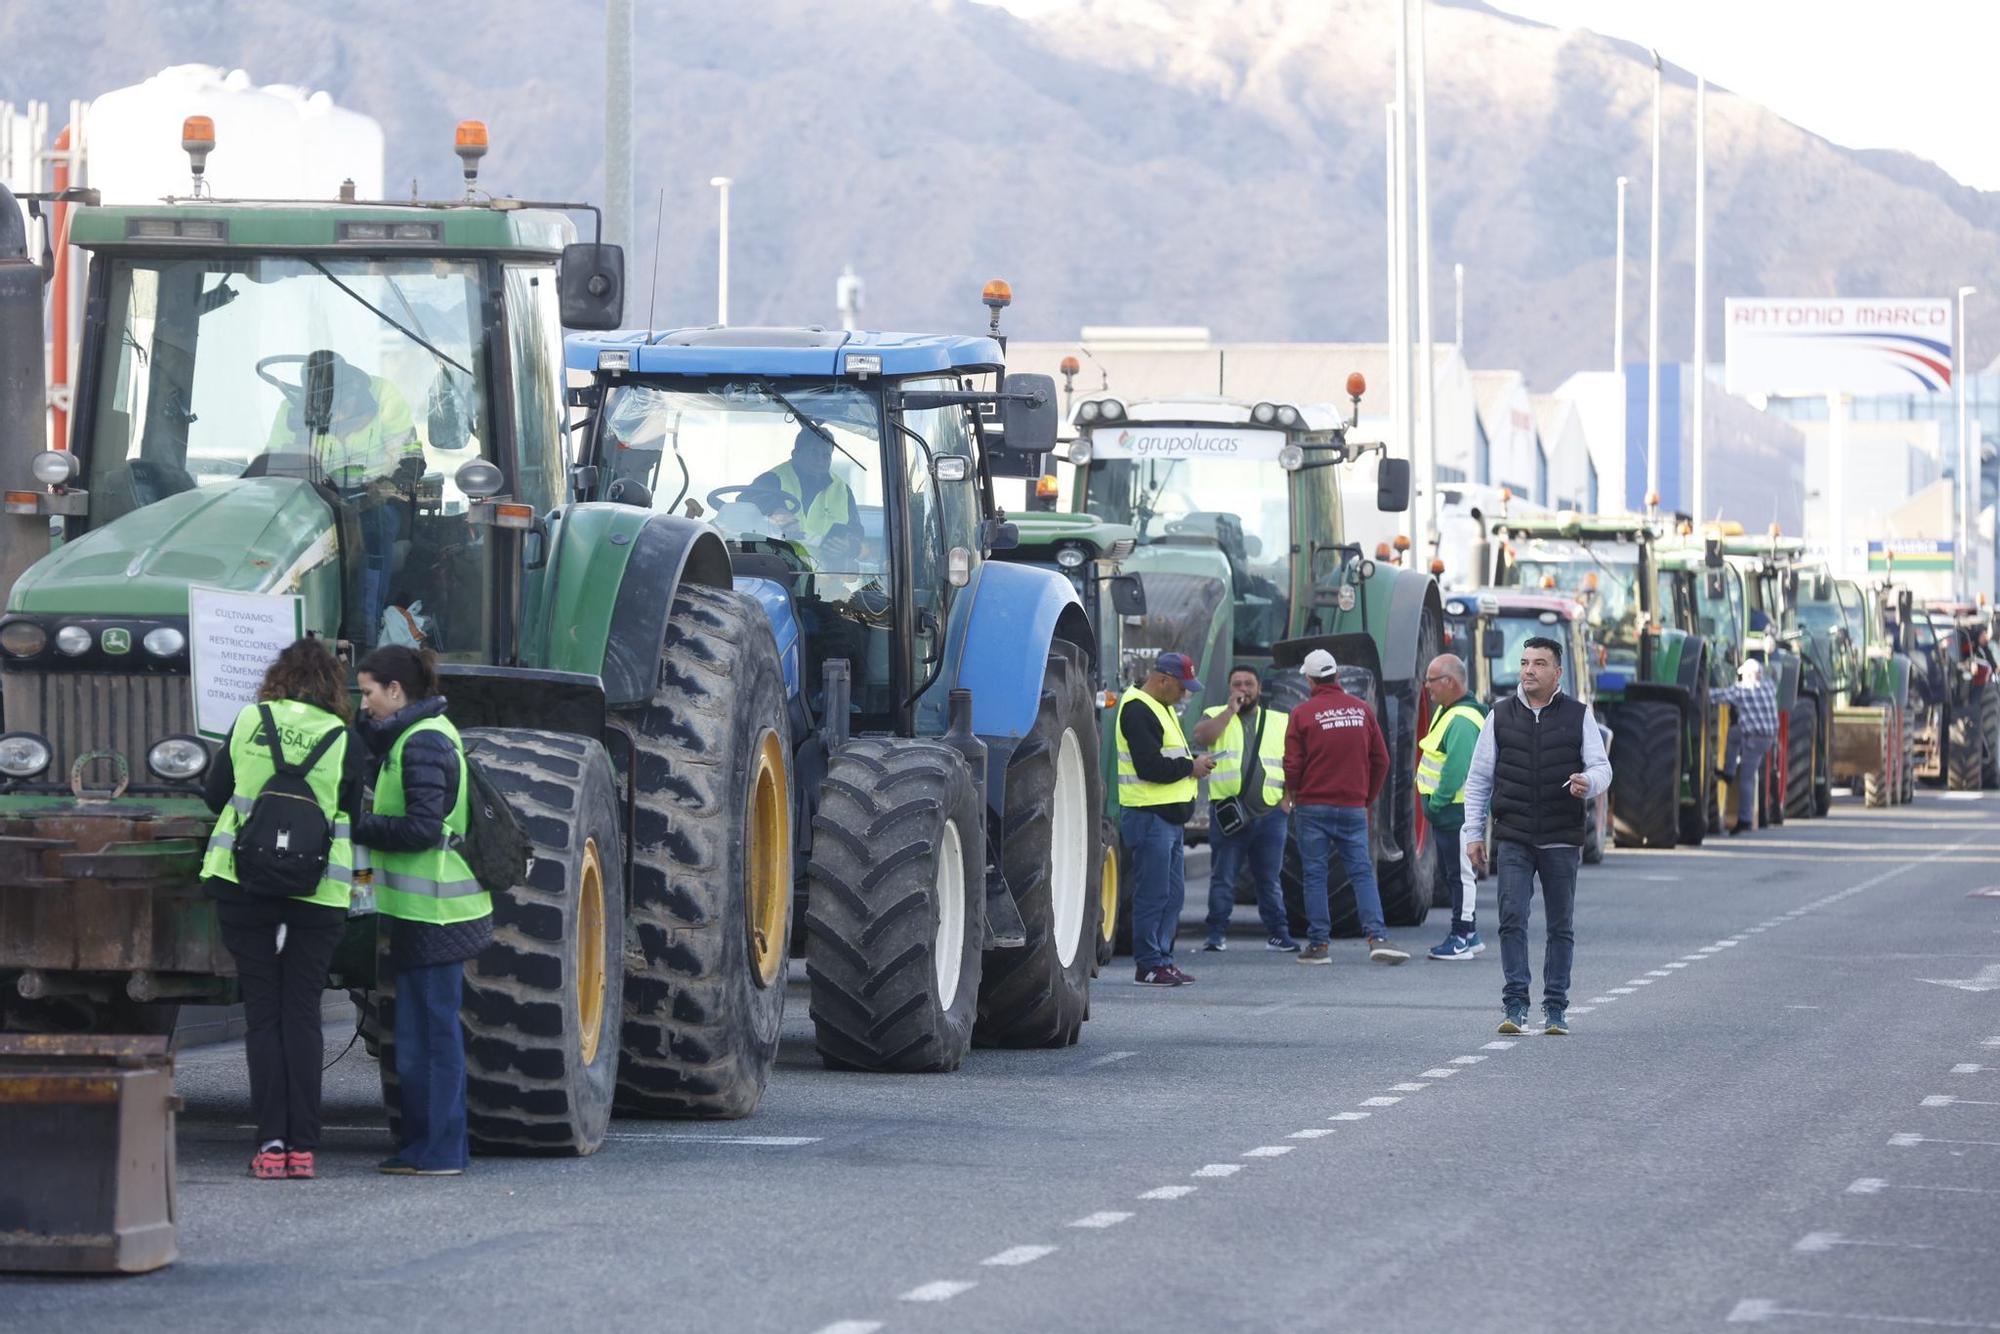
point(494, 845)
point(283, 844)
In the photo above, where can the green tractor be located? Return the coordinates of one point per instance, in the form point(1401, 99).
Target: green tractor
point(1089, 552)
point(239, 358)
point(1653, 675)
point(1243, 558)
point(1870, 685)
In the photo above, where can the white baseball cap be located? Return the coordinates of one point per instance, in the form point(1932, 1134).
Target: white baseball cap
point(1751, 671)
point(1319, 665)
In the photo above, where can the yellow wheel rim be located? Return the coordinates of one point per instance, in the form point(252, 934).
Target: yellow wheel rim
point(590, 952)
point(768, 867)
point(1107, 896)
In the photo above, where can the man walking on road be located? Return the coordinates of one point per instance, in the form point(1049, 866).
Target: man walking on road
point(1538, 765)
point(1754, 732)
point(1247, 821)
point(1457, 721)
point(1158, 777)
point(1335, 765)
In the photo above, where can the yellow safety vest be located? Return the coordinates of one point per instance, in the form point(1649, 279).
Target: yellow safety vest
point(435, 885)
point(1430, 761)
point(1232, 755)
point(370, 450)
point(834, 505)
point(300, 727)
point(1136, 791)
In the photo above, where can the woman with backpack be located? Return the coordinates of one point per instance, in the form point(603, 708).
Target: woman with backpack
point(280, 865)
point(437, 914)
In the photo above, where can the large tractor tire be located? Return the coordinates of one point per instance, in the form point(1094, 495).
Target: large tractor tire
point(1964, 749)
point(1909, 780)
point(1645, 774)
point(542, 1002)
point(1802, 750)
point(1050, 852)
point(1409, 886)
point(1113, 896)
point(1345, 917)
point(710, 934)
point(1989, 731)
point(896, 907)
point(1698, 764)
point(1877, 783)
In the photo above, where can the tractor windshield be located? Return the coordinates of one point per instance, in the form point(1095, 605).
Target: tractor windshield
point(1601, 574)
point(1516, 628)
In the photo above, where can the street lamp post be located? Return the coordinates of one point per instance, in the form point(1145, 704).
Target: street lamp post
point(1699, 480)
point(1968, 482)
point(722, 184)
point(1618, 290)
point(1653, 315)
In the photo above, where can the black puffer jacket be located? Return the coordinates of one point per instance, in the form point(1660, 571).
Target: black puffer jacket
point(430, 789)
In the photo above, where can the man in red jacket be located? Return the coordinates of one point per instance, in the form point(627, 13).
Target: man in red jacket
point(1335, 765)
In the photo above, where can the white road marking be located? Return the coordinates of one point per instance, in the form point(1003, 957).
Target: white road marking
point(1467, 1060)
point(1108, 1058)
point(1707, 950)
point(1273, 1009)
point(1988, 980)
point(1638, 981)
point(1969, 1068)
point(850, 1327)
point(1756, 1310)
point(1620, 991)
point(1693, 958)
point(1989, 1042)
point(1350, 1116)
point(1602, 1000)
point(1905, 1140)
point(1757, 930)
point(1408, 1088)
point(753, 1141)
point(1113, 1217)
point(943, 1290)
point(1876, 1185)
point(1947, 1099)
point(1814, 1243)
point(1581, 1009)
point(1268, 1151)
point(1729, 943)
point(1314, 1132)
point(1661, 879)
point(1498, 1044)
point(1440, 1072)
point(1217, 1170)
point(1659, 972)
point(1678, 964)
point(1168, 1192)
point(1019, 1255)
point(1380, 1102)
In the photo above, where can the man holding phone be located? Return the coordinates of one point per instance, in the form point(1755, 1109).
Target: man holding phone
point(1538, 765)
point(1246, 793)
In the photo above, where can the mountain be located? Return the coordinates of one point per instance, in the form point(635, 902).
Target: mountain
point(1211, 162)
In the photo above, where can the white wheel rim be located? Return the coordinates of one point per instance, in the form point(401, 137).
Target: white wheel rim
point(1069, 849)
point(949, 951)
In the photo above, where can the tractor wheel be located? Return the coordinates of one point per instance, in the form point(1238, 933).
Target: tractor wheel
point(1801, 750)
point(896, 907)
point(1409, 886)
point(1051, 854)
point(710, 932)
point(1964, 749)
point(1112, 895)
point(1989, 731)
point(542, 1002)
point(1908, 784)
point(1645, 774)
point(1595, 833)
point(1877, 783)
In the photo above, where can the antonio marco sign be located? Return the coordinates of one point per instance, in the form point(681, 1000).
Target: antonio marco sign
point(1244, 444)
point(1816, 347)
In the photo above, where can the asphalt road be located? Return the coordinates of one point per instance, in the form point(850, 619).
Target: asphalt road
point(1780, 1104)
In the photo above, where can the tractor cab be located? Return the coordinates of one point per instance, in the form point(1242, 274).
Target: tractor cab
point(1606, 563)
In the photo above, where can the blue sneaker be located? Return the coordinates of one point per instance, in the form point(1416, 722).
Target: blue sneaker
point(1453, 947)
point(1557, 1024)
point(1516, 1020)
point(1282, 945)
point(1472, 939)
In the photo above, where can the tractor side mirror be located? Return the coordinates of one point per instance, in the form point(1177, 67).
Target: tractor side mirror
point(1028, 413)
point(591, 283)
point(1128, 595)
point(1711, 553)
point(1392, 485)
point(1714, 586)
point(1492, 643)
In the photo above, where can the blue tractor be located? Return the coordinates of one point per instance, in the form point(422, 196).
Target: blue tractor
point(935, 711)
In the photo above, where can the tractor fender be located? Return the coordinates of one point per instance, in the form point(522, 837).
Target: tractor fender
point(1411, 593)
point(609, 589)
point(998, 640)
point(776, 601)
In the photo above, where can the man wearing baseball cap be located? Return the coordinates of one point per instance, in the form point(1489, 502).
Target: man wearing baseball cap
point(1158, 776)
point(1335, 765)
point(1754, 730)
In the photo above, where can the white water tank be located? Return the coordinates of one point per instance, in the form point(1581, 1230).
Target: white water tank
point(271, 142)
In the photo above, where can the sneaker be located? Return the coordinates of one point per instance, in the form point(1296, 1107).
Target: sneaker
point(1558, 1023)
point(1156, 977)
point(1185, 979)
point(1516, 1020)
point(1214, 946)
point(1282, 945)
point(1452, 947)
point(396, 1167)
point(1472, 938)
point(269, 1164)
point(1381, 951)
point(299, 1164)
point(1319, 953)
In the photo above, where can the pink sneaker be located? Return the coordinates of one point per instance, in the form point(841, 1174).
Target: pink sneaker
point(268, 1165)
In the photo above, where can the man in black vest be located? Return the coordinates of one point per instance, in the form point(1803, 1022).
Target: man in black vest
point(1538, 765)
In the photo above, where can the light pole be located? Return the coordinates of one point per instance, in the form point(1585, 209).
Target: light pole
point(1618, 291)
point(1458, 307)
point(1699, 481)
point(1653, 315)
point(1426, 375)
point(722, 184)
point(1968, 484)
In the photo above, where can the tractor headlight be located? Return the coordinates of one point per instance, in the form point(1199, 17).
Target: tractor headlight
point(23, 639)
point(164, 641)
point(1264, 413)
point(1288, 416)
point(54, 467)
point(1089, 411)
point(1079, 450)
point(177, 758)
point(1291, 458)
point(73, 640)
point(1111, 410)
point(1070, 557)
point(23, 755)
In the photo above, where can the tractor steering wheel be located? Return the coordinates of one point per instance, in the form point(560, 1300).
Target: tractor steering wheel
point(294, 393)
point(724, 495)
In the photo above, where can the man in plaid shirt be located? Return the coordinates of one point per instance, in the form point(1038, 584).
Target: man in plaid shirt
point(1755, 732)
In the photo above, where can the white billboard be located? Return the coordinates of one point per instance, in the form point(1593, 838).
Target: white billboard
point(1815, 346)
point(1244, 444)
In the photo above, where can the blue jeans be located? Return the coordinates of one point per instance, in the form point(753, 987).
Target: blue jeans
point(1159, 885)
point(1262, 844)
point(1322, 830)
point(430, 1063)
point(1753, 751)
point(1520, 866)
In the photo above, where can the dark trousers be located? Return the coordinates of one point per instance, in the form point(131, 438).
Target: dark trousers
point(430, 1064)
point(1520, 866)
point(281, 1014)
point(1261, 844)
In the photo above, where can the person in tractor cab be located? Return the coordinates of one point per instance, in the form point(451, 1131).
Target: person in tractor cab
point(803, 494)
point(358, 430)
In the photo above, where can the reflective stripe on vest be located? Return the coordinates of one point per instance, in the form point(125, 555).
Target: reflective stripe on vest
point(1431, 756)
point(1232, 753)
point(300, 726)
point(832, 506)
point(434, 885)
point(1136, 791)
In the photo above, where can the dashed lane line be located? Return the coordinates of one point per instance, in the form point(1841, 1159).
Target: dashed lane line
point(1014, 1256)
point(1906, 1140)
point(1108, 1058)
point(1498, 1044)
point(1168, 1192)
point(1315, 1132)
point(1467, 1060)
point(941, 1290)
point(1350, 1116)
point(850, 1327)
point(1441, 1072)
point(1876, 1185)
point(1407, 1087)
point(1756, 1310)
point(1104, 1218)
point(1947, 1100)
point(1970, 1068)
point(1816, 1243)
point(1217, 1170)
point(1269, 1151)
point(1383, 1101)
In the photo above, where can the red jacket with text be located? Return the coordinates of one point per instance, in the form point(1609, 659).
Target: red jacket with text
point(1334, 755)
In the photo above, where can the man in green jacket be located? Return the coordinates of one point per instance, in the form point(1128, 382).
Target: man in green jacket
point(1445, 758)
